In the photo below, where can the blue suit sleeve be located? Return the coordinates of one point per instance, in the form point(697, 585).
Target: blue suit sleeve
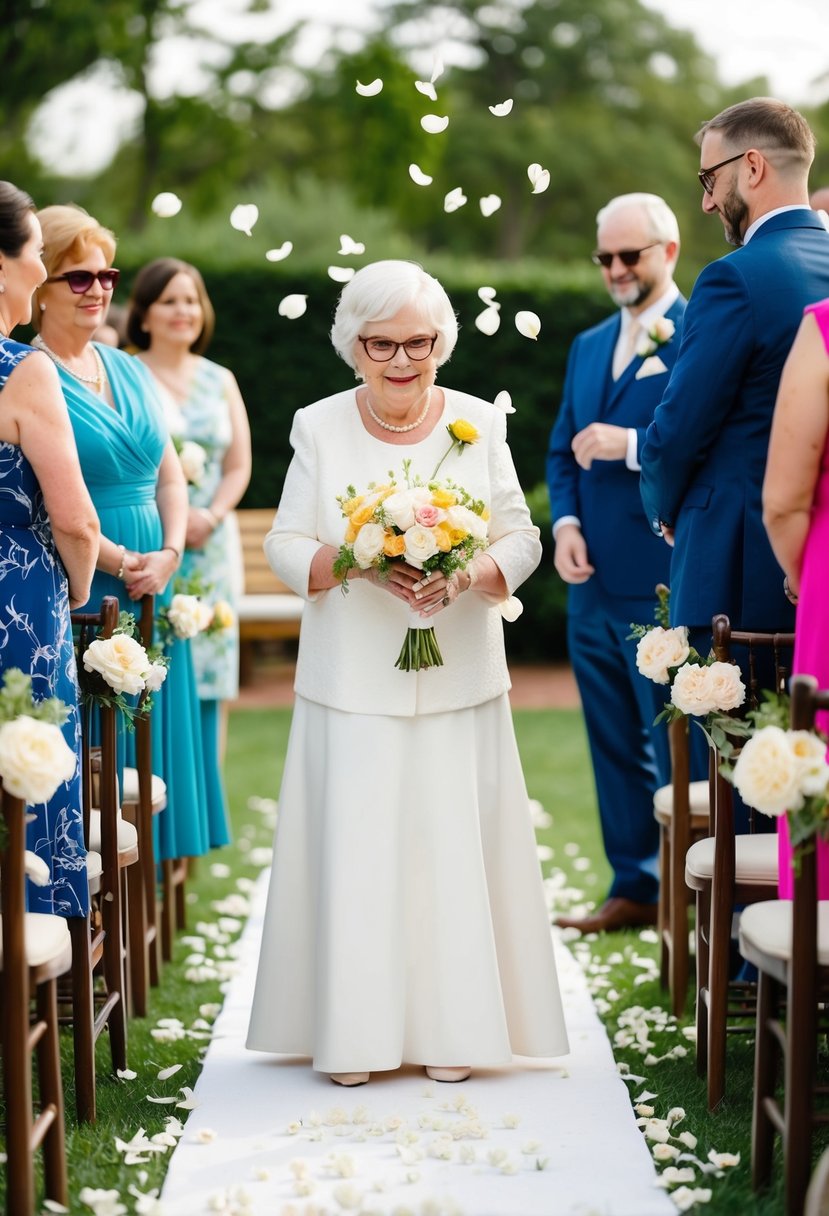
point(562, 470)
point(716, 346)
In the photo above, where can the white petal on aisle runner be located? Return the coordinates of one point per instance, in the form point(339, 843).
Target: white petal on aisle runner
point(553, 1138)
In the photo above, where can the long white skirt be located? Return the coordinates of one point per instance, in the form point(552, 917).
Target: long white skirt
point(405, 919)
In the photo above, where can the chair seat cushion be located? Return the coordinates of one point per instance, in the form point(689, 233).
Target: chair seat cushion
point(663, 801)
point(158, 789)
point(285, 607)
point(755, 858)
point(766, 928)
point(127, 833)
point(94, 870)
point(47, 938)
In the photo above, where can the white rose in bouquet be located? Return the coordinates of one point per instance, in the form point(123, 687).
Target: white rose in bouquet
point(420, 545)
point(369, 544)
point(400, 507)
point(188, 615)
point(810, 753)
point(726, 683)
point(768, 772)
point(155, 677)
point(691, 690)
point(660, 649)
point(466, 521)
point(121, 661)
point(193, 459)
point(34, 758)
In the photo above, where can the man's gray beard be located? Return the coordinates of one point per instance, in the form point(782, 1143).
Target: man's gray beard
point(643, 290)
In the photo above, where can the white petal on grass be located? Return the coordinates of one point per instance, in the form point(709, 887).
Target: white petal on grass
point(189, 1102)
point(341, 274)
point(489, 204)
point(292, 306)
point(454, 199)
point(488, 321)
point(503, 401)
point(418, 176)
point(502, 109)
point(427, 89)
point(349, 246)
point(125, 1074)
point(370, 90)
point(52, 1205)
point(160, 1101)
point(169, 1072)
point(540, 178)
point(166, 205)
point(528, 324)
point(433, 124)
point(243, 217)
point(277, 255)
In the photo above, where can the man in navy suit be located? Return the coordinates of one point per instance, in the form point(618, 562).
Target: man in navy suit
point(616, 374)
point(705, 451)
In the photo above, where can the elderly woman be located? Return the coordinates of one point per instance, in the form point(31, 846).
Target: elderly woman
point(135, 479)
point(48, 544)
point(796, 515)
point(405, 919)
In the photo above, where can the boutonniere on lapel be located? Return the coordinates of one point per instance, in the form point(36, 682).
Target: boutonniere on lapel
point(660, 333)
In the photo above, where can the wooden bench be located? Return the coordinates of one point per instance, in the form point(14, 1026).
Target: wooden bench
point(268, 609)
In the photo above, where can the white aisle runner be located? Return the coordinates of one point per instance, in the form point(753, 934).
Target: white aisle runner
point(553, 1138)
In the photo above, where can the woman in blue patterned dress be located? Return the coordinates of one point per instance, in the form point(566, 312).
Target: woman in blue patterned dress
point(48, 545)
point(171, 321)
point(135, 479)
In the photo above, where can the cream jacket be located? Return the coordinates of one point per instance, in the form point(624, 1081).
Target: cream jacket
point(349, 643)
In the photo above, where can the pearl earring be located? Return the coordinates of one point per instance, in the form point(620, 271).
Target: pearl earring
point(2, 288)
point(43, 308)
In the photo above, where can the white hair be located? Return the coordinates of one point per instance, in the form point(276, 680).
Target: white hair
point(378, 292)
point(662, 221)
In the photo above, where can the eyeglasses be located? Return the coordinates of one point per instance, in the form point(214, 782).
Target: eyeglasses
point(706, 176)
point(628, 257)
point(383, 350)
point(80, 281)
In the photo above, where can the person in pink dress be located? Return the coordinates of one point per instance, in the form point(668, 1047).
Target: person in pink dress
point(796, 516)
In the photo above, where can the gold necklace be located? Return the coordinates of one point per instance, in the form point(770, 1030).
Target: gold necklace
point(97, 380)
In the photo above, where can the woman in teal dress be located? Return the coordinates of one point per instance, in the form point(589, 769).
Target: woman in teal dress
point(48, 544)
point(171, 321)
point(134, 476)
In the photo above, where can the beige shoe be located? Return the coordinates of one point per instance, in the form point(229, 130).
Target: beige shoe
point(448, 1074)
point(349, 1078)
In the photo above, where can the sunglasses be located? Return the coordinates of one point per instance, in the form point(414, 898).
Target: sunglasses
point(80, 281)
point(628, 257)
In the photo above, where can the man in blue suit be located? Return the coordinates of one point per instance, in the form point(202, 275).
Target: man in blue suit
point(616, 374)
point(705, 451)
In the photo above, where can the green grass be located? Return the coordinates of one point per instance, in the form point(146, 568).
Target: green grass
point(556, 764)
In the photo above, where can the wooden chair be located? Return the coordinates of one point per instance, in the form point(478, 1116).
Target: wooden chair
point(98, 941)
point(682, 811)
point(788, 942)
point(817, 1196)
point(726, 870)
point(143, 795)
point(36, 949)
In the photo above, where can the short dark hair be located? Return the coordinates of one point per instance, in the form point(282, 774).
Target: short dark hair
point(766, 123)
point(148, 287)
point(15, 230)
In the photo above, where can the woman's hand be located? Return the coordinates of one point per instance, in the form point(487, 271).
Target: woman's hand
point(433, 592)
point(149, 573)
point(399, 582)
point(199, 527)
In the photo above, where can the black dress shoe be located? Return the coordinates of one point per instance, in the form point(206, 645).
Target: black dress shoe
point(615, 913)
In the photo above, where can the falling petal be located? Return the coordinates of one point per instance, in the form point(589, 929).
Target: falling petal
point(501, 110)
point(488, 321)
point(437, 68)
point(243, 217)
point(340, 274)
point(539, 177)
point(528, 324)
point(487, 294)
point(427, 89)
point(433, 124)
point(125, 1074)
point(489, 204)
point(454, 199)
point(188, 1102)
point(292, 306)
point(160, 1101)
point(166, 205)
point(277, 255)
point(504, 402)
point(370, 90)
point(169, 1072)
point(347, 246)
point(418, 176)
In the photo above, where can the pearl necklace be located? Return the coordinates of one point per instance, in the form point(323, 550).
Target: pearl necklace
point(97, 380)
point(399, 430)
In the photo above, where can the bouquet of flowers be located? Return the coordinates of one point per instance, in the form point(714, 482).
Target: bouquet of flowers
point(119, 666)
point(434, 525)
point(34, 756)
point(189, 613)
point(193, 458)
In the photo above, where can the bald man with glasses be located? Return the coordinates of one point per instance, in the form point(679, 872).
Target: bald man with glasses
point(616, 374)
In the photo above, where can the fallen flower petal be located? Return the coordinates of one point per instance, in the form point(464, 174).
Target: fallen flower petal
point(434, 124)
point(205, 1135)
point(341, 274)
point(166, 205)
point(489, 204)
point(370, 90)
point(292, 306)
point(419, 177)
point(539, 178)
point(528, 324)
point(488, 321)
point(427, 89)
point(243, 217)
point(503, 401)
point(348, 246)
point(277, 255)
point(169, 1072)
point(126, 1074)
point(502, 109)
point(454, 199)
